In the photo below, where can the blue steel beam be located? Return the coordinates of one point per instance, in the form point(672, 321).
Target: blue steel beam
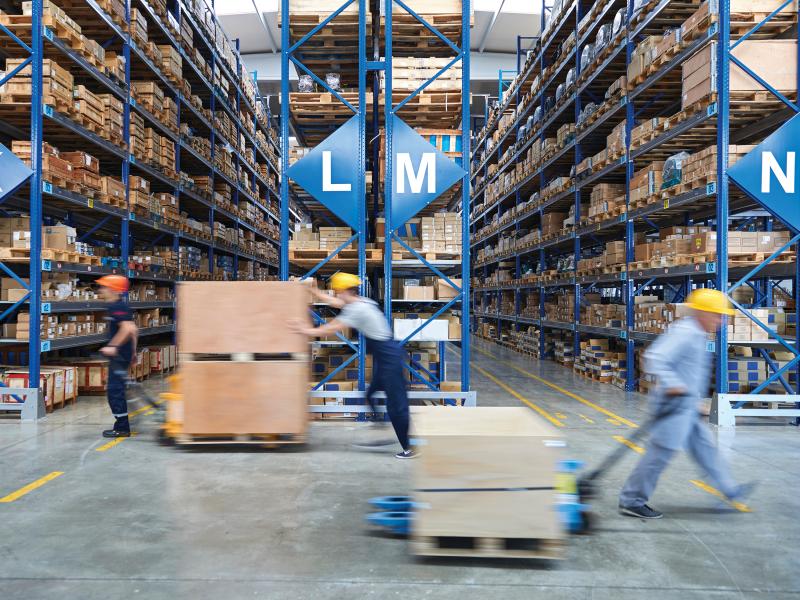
point(35, 287)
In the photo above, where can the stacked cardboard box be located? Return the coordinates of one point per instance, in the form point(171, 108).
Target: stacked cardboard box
point(654, 316)
point(646, 182)
point(603, 315)
point(774, 60)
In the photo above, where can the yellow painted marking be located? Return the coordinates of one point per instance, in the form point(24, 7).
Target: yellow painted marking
point(144, 410)
point(740, 506)
point(613, 421)
point(629, 444)
point(31, 486)
point(112, 443)
point(519, 396)
point(561, 415)
point(551, 385)
point(585, 418)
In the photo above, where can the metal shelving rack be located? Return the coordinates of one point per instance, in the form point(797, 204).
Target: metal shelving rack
point(717, 202)
point(117, 227)
point(371, 43)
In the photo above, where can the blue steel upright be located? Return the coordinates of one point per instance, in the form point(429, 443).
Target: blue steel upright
point(35, 287)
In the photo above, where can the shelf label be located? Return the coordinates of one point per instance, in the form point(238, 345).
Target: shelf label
point(48, 110)
point(711, 188)
point(623, 101)
point(712, 109)
point(45, 346)
point(666, 203)
point(46, 308)
point(622, 218)
point(623, 276)
point(90, 202)
point(623, 334)
point(155, 224)
point(48, 33)
point(713, 29)
point(132, 159)
point(47, 187)
point(133, 101)
point(711, 267)
point(711, 346)
point(131, 273)
point(131, 216)
point(46, 266)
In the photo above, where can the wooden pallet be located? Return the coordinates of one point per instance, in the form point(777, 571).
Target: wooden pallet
point(266, 440)
point(371, 254)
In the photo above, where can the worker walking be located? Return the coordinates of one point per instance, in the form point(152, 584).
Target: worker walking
point(682, 365)
point(363, 314)
point(120, 350)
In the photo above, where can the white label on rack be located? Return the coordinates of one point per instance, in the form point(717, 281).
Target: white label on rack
point(46, 308)
point(46, 266)
point(47, 187)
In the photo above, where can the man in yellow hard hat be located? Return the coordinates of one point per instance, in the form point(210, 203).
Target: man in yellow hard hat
point(363, 314)
point(120, 350)
point(680, 360)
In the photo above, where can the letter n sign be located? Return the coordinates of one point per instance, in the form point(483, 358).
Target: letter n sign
point(420, 172)
point(768, 173)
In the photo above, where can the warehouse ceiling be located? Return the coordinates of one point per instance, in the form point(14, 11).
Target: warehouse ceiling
point(497, 24)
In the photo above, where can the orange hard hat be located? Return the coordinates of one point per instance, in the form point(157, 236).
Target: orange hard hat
point(116, 283)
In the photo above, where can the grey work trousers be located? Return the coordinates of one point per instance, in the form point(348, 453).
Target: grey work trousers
point(642, 481)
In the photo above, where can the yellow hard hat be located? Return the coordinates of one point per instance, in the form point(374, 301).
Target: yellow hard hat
point(344, 281)
point(709, 300)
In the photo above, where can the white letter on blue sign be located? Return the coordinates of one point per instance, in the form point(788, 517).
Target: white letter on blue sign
point(427, 166)
point(770, 165)
point(327, 185)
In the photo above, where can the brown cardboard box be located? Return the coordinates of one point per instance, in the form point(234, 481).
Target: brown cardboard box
point(247, 408)
point(418, 292)
point(241, 316)
point(704, 243)
point(444, 291)
point(59, 237)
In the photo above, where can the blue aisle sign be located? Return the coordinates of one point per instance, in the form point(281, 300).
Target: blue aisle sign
point(13, 172)
point(329, 172)
point(420, 172)
point(769, 175)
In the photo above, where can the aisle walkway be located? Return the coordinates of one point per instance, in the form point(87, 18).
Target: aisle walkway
point(135, 519)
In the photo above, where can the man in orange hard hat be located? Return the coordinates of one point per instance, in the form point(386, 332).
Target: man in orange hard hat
point(681, 363)
point(363, 314)
point(120, 350)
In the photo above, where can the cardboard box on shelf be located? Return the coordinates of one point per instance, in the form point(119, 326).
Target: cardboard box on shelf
point(444, 291)
point(418, 292)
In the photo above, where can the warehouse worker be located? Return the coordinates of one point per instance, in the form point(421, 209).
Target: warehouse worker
point(680, 361)
point(120, 350)
point(363, 314)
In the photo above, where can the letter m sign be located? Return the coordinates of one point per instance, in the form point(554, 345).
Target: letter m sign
point(420, 172)
point(768, 173)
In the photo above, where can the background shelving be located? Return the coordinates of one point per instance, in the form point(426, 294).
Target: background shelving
point(563, 203)
point(164, 106)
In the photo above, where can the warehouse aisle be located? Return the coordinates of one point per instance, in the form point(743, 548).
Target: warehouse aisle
point(138, 519)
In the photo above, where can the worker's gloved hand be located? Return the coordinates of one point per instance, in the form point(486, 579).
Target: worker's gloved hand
point(675, 392)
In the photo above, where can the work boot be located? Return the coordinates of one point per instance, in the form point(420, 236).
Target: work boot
point(743, 492)
point(114, 433)
point(642, 512)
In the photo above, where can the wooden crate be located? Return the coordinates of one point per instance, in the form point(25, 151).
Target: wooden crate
point(498, 499)
point(244, 398)
point(255, 317)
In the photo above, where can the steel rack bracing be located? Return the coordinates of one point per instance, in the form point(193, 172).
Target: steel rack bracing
point(375, 38)
point(119, 226)
point(715, 202)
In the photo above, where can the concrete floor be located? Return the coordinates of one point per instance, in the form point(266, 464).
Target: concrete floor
point(141, 520)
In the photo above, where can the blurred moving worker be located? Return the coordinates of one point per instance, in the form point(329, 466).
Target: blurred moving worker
point(120, 350)
point(363, 314)
point(682, 365)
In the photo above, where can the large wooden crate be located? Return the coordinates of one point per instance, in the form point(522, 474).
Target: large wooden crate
point(227, 317)
point(245, 398)
point(485, 483)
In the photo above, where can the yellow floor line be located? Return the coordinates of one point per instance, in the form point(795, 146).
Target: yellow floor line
point(519, 396)
point(31, 486)
point(551, 385)
point(613, 421)
point(629, 444)
point(585, 418)
point(740, 506)
point(112, 443)
point(561, 415)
